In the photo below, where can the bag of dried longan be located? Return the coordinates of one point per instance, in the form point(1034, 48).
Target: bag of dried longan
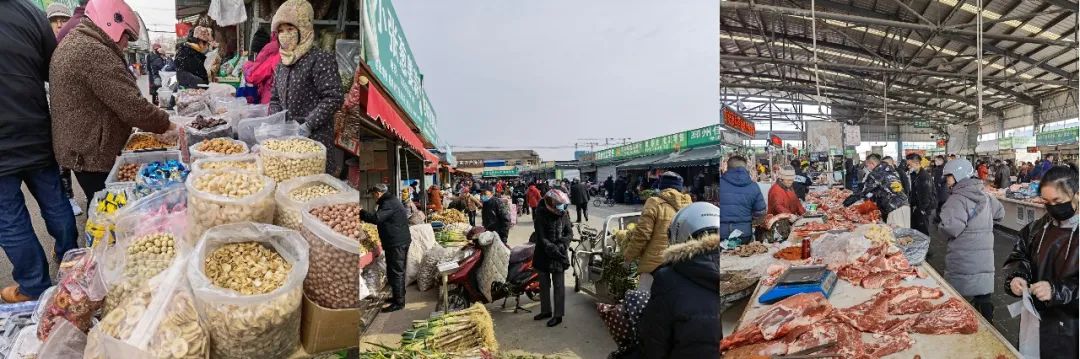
point(292, 156)
point(292, 194)
point(221, 197)
point(246, 162)
point(247, 279)
point(332, 229)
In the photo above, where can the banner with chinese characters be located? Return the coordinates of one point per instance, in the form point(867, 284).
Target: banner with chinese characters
point(1061, 136)
point(699, 137)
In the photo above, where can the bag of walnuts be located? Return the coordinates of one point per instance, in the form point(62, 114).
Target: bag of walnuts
point(332, 229)
point(292, 194)
point(221, 197)
point(247, 279)
point(292, 156)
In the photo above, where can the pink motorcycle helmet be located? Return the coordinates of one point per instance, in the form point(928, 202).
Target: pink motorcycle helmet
point(114, 17)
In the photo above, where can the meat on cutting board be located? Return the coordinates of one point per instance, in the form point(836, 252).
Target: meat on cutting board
point(951, 317)
point(792, 313)
point(888, 344)
point(911, 306)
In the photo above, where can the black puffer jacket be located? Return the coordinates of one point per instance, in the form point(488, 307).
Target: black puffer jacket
point(392, 221)
point(883, 186)
point(26, 45)
point(496, 218)
point(923, 194)
point(552, 234)
point(190, 66)
point(682, 318)
point(1057, 265)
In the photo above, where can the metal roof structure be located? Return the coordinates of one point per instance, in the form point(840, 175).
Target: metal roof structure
point(916, 60)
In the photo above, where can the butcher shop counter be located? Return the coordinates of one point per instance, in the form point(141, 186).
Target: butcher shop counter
point(1019, 213)
point(987, 342)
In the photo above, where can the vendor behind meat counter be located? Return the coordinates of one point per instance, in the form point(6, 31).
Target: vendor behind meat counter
point(306, 82)
point(883, 186)
point(1044, 261)
point(782, 197)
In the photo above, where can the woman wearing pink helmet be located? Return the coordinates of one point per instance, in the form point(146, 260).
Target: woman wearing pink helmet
point(95, 100)
point(553, 232)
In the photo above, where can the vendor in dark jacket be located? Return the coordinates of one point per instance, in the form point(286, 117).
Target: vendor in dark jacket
point(494, 216)
point(922, 194)
point(883, 186)
point(802, 182)
point(191, 58)
point(552, 232)
point(682, 317)
point(393, 225)
point(941, 188)
point(1044, 261)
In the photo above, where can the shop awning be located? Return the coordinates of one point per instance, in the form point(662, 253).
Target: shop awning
point(642, 163)
point(381, 110)
point(701, 156)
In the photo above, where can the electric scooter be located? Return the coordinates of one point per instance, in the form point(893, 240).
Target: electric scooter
point(521, 278)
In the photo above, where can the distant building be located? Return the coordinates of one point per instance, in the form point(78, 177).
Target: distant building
point(476, 162)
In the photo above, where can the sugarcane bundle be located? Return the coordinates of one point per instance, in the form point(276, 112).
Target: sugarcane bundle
point(449, 216)
point(451, 238)
point(456, 332)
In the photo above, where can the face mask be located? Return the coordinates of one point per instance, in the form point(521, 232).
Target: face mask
point(289, 39)
point(485, 198)
point(561, 207)
point(1061, 211)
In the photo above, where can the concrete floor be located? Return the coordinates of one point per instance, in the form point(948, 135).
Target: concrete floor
point(581, 335)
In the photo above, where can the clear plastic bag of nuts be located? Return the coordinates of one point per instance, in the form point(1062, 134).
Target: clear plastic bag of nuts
point(332, 229)
point(197, 154)
point(251, 326)
point(158, 319)
point(292, 156)
point(146, 245)
point(221, 197)
point(292, 194)
point(246, 162)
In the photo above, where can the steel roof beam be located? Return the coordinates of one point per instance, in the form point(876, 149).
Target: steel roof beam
point(1064, 4)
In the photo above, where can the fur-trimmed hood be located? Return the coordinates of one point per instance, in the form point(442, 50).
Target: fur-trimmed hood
point(697, 261)
point(684, 251)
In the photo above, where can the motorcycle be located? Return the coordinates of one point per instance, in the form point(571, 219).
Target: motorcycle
point(521, 278)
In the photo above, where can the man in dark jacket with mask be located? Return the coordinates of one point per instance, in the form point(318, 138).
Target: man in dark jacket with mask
point(393, 225)
point(802, 181)
point(883, 186)
point(494, 216)
point(923, 201)
point(740, 201)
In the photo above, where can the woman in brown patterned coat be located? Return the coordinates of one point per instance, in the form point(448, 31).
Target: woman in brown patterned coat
point(306, 81)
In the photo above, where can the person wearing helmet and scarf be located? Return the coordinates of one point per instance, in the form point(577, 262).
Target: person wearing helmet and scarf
point(191, 58)
point(682, 317)
point(306, 82)
point(552, 233)
point(95, 100)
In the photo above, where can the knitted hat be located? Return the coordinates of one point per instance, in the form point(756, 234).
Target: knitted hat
point(297, 13)
point(787, 173)
point(57, 10)
point(671, 180)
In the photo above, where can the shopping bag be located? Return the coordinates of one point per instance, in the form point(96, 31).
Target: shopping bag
point(1029, 325)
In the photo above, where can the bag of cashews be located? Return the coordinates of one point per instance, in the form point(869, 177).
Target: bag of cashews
point(246, 162)
point(263, 325)
point(292, 194)
point(156, 320)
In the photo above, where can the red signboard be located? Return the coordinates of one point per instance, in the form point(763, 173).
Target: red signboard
point(776, 141)
point(1033, 149)
point(736, 122)
point(941, 142)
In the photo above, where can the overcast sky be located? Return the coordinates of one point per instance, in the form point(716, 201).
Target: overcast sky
point(159, 15)
point(524, 74)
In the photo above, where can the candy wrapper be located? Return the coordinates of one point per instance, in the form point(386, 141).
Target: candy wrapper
point(102, 211)
point(78, 296)
point(157, 175)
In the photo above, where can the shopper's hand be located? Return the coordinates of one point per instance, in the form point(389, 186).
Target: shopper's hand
point(1017, 285)
point(1041, 290)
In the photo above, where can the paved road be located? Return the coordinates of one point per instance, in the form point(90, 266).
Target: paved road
point(581, 334)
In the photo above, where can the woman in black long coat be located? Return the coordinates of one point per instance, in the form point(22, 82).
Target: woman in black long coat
point(552, 233)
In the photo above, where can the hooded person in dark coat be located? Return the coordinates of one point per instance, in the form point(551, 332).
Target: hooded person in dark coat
point(392, 221)
point(552, 234)
point(941, 188)
point(922, 196)
point(740, 201)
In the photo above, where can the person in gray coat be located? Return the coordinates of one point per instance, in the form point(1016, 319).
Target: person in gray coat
point(967, 219)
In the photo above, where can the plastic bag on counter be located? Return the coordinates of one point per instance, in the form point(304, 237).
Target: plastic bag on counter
point(209, 209)
point(192, 102)
point(1029, 325)
point(334, 275)
point(194, 135)
point(913, 243)
point(196, 154)
point(79, 294)
point(268, 131)
point(282, 165)
point(245, 128)
point(291, 195)
point(251, 111)
point(26, 345)
point(219, 90)
point(101, 213)
point(236, 322)
point(247, 162)
point(428, 275)
point(423, 239)
point(840, 248)
point(68, 341)
point(147, 245)
point(220, 106)
point(164, 202)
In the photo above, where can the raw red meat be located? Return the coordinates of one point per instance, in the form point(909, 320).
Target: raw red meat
point(887, 344)
point(870, 316)
point(951, 317)
point(911, 306)
point(848, 340)
point(792, 313)
point(900, 294)
point(881, 267)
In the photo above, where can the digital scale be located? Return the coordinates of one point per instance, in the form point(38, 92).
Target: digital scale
point(798, 280)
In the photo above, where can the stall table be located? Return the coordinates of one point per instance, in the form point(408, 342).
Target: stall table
point(986, 343)
point(1019, 213)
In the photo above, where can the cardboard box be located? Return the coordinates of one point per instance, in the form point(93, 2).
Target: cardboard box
point(324, 329)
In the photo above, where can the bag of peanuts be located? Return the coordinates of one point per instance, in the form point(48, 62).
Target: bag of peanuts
point(292, 194)
point(157, 319)
point(248, 284)
point(246, 162)
point(332, 229)
point(245, 128)
point(292, 156)
point(219, 197)
point(217, 147)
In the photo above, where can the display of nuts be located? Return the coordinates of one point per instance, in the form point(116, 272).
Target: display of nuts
point(221, 146)
point(177, 335)
point(127, 172)
point(150, 254)
point(229, 165)
point(333, 279)
point(248, 268)
point(244, 200)
point(292, 157)
point(263, 329)
point(144, 141)
point(202, 123)
point(289, 217)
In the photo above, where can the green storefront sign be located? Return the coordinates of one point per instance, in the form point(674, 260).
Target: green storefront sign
point(1062, 136)
point(705, 136)
point(921, 124)
point(1008, 143)
point(393, 64)
point(514, 172)
point(1005, 143)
